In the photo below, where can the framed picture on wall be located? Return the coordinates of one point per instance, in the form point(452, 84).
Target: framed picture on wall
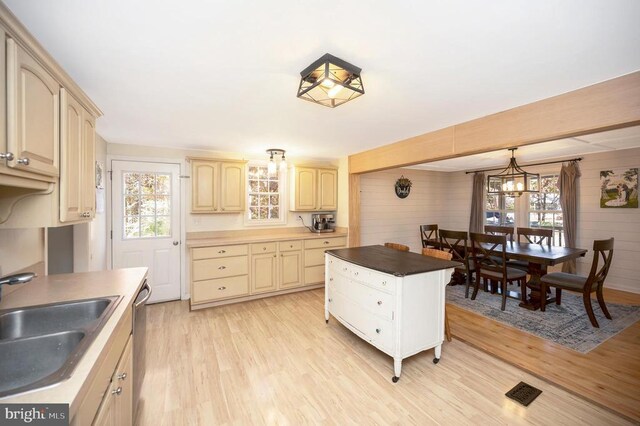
point(619, 188)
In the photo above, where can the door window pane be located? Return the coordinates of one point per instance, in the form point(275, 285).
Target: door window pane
point(147, 205)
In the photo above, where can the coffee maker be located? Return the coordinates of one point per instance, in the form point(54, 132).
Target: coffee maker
point(322, 222)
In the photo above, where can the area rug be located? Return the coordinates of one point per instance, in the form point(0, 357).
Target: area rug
point(567, 325)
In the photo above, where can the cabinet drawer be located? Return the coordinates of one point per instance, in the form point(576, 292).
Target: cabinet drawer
point(375, 301)
point(325, 242)
point(290, 245)
point(314, 257)
point(263, 248)
point(219, 268)
point(218, 251)
point(222, 288)
point(314, 274)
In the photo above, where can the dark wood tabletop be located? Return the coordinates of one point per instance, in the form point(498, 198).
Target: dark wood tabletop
point(536, 253)
point(390, 261)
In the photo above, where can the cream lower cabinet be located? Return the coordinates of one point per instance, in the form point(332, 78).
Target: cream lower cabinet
point(314, 257)
point(117, 406)
point(217, 186)
point(77, 161)
point(220, 274)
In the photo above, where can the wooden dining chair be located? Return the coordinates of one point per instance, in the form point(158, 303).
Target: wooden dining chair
point(439, 254)
point(585, 285)
point(499, 230)
point(485, 249)
point(541, 236)
point(396, 246)
point(428, 232)
point(455, 243)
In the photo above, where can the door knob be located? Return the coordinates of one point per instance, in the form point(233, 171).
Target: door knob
point(175, 243)
point(122, 376)
point(6, 156)
point(117, 391)
point(24, 161)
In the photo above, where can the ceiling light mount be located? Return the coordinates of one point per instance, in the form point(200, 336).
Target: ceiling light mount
point(272, 162)
point(513, 180)
point(330, 81)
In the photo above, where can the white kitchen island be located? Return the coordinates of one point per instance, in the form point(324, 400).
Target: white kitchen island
point(391, 299)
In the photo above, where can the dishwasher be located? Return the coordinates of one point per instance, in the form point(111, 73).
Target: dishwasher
point(139, 342)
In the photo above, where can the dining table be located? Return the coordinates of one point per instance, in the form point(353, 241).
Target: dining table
point(539, 258)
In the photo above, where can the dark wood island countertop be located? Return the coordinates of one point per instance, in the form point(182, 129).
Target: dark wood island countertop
point(390, 261)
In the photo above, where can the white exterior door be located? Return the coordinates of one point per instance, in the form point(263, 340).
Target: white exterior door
point(146, 223)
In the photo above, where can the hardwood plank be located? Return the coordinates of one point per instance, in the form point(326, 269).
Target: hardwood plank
point(275, 361)
point(608, 376)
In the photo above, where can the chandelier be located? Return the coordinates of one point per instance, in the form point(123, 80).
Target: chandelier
point(330, 81)
point(271, 168)
point(513, 180)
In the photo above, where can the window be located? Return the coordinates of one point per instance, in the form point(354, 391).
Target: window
point(544, 208)
point(500, 210)
point(265, 195)
point(147, 205)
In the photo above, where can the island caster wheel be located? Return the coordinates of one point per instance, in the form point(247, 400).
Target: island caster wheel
point(395, 379)
point(436, 360)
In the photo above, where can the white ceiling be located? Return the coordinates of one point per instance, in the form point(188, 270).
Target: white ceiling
point(222, 75)
point(553, 150)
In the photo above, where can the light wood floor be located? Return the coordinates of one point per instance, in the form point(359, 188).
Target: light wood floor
point(608, 375)
point(275, 361)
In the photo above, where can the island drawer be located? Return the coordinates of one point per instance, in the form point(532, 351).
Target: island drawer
point(221, 288)
point(378, 302)
point(219, 268)
point(325, 242)
point(259, 248)
point(219, 251)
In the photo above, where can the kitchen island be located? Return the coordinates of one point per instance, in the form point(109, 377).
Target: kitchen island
point(393, 300)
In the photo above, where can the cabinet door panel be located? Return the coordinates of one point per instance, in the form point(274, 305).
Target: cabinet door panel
point(88, 164)
point(327, 189)
point(263, 273)
point(33, 111)
point(70, 159)
point(291, 269)
point(204, 175)
point(305, 189)
point(232, 193)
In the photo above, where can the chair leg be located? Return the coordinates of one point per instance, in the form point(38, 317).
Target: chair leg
point(586, 297)
point(601, 302)
point(467, 284)
point(504, 295)
point(558, 295)
point(476, 287)
point(447, 329)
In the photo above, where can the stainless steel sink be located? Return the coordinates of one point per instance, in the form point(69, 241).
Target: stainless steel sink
point(52, 318)
point(27, 361)
point(41, 345)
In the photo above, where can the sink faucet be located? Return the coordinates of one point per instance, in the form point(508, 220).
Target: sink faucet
point(24, 277)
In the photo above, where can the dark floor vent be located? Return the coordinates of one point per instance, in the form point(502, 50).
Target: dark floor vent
point(523, 393)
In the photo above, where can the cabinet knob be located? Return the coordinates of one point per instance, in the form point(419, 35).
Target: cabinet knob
point(24, 161)
point(355, 273)
point(378, 330)
point(274, 255)
point(264, 248)
point(221, 208)
point(122, 376)
point(344, 269)
point(384, 283)
point(6, 156)
point(326, 242)
point(330, 300)
point(222, 288)
point(222, 267)
point(291, 246)
point(175, 243)
point(222, 251)
point(379, 302)
point(331, 279)
point(117, 391)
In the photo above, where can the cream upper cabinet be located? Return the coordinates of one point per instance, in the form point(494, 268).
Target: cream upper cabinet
point(327, 189)
point(217, 186)
point(77, 161)
point(314, 189)
point(33, 113)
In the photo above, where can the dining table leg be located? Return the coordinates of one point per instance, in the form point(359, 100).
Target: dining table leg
point(533, 301)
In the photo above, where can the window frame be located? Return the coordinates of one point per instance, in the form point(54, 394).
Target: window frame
point(554, 228)
point(282, 192)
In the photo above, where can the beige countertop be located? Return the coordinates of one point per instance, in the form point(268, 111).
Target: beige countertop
point(65, 287)
point(247, 238)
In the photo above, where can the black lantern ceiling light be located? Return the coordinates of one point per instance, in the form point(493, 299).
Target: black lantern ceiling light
point(330, 81)
point(513, 180)
point(271, 168)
